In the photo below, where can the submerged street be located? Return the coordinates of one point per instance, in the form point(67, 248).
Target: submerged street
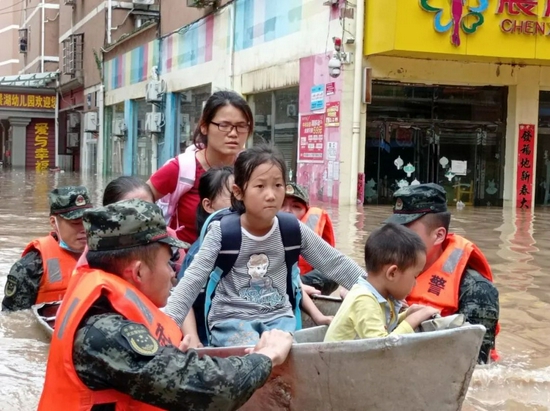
point(516, 244)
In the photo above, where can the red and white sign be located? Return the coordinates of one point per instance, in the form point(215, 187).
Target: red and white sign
point(330, 89)
point(311, 145)
point(526, 153)
point(332, 118)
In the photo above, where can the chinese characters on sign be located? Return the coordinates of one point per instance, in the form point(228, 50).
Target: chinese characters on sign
point(317, 97)
point(332, 118)
point(526, 148)
point(18, 100)
point(522, 16)
point(41, 152)
point(311, 148)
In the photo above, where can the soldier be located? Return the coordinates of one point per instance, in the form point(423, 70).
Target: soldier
point(42, 274)
point(457, 277)
point(113, 346)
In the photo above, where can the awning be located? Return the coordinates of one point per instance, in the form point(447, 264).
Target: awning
point(29, 80)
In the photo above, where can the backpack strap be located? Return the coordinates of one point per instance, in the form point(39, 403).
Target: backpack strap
point(230, 226)
point(291, 235)
point(186, 179)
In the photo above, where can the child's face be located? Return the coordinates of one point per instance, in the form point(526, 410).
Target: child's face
point(404, 281)
point(294, 206)
point(264, 193)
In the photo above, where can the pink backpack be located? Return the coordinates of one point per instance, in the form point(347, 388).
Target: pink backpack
point(186, 180)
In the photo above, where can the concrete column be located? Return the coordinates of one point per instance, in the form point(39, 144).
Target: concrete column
point(523, 108)
point(19, 140)
point(348, 176)
point(130, 154)
point(167, 146)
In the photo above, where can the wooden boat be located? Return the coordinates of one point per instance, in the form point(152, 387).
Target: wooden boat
point(45, 313)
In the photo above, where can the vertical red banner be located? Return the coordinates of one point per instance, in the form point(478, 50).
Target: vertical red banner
point(526, 153)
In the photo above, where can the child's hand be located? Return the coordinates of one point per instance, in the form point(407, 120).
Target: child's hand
point(323, 319)
point(414, 308)
point(309, 290)
point(428, 312)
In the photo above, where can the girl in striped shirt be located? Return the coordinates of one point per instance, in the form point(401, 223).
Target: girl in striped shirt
point(252, 297)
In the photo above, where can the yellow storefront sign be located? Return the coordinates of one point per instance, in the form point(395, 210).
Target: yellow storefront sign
point(508, 30)
point(22, 100)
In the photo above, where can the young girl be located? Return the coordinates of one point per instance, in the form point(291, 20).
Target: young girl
point(238, 316)
point(214, 190)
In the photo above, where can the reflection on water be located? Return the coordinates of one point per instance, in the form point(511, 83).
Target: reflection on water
point(516, 245)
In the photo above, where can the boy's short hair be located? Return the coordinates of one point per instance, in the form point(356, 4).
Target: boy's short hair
point(392, 244)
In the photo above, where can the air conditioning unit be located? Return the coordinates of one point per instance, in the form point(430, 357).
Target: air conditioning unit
point(119, 127)
point(74, 120)
point(154, 122)
point(90, 121)
point(70, 2)
point(186, 96)
point(144, 2)
point(73, 140)
point(155, 90)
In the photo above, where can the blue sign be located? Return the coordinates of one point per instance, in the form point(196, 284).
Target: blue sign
point(318, 97)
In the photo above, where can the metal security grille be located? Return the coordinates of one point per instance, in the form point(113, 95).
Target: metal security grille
point(72, 54)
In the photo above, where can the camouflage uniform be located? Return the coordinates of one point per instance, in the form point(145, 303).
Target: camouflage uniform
point(314, 278)
point(478, 297)
point(168, 378)
point(24, 278)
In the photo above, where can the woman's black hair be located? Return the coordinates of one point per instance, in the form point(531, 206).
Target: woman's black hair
point(216, 101)
point(247, 162)
point(211, 184)
point(120, 186)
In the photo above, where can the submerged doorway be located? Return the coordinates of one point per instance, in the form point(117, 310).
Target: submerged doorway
point(452, 136)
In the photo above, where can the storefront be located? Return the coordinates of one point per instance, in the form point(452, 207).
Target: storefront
point(27, 122)
point(450, 135)
point(455, 100)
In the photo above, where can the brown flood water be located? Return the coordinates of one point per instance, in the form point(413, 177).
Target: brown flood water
point(516, 244)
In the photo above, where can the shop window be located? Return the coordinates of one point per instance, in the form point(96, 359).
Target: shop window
point(191, 103)
point(115, 161)
point(452, 136)
point(144, 141)
point(276, 121)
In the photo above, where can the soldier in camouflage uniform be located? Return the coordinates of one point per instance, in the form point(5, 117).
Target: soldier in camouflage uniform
point(423, 208)
point(110, 352)
point(25, 285)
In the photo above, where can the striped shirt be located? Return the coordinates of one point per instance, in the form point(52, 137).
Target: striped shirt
point(255, 288)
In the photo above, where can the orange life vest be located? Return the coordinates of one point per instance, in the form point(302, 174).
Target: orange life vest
point(319, 221)
point(62, 385)
point(439, 285)
point(58, 267)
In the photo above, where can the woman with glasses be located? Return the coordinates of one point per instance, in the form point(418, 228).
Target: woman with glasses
point(221, 133)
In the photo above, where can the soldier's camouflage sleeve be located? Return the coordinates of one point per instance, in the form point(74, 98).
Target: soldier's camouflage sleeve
point(169, 379)
point(478, 301)
point(23, 282)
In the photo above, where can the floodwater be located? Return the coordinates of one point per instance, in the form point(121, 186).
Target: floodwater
point(516, 244)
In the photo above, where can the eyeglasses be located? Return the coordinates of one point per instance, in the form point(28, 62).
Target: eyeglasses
point(228, 127)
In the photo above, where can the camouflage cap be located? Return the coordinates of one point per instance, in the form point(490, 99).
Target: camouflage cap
point(297, 191)
point(127, 224)
point(413, 202)
point(69, 202)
